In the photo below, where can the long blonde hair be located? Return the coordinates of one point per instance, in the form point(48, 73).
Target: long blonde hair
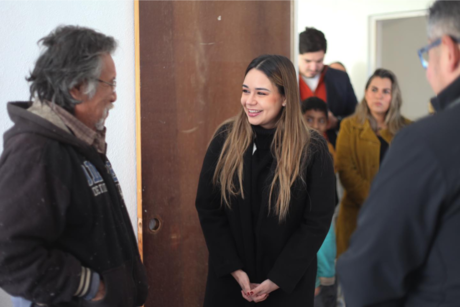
point(289, 144)
point(393, 119)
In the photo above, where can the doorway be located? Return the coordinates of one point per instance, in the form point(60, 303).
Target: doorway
point(396, 39)
point(193, 55)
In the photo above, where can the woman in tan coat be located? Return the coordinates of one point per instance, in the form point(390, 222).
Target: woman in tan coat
point(361, 145)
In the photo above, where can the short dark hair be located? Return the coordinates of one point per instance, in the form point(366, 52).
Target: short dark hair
point(312, 40)
point(72, 57)
point(314, 103)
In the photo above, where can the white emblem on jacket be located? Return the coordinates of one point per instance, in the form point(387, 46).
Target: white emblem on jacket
point(95, 181)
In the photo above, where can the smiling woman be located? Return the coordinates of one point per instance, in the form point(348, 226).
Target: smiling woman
point(261, 100)
point(266, 195)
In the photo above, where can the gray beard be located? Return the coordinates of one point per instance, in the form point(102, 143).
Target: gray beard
point(100, 125)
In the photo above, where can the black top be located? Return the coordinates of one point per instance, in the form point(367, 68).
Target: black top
point(448, 98)
point(410, 223)
point(262, 159)
point(259, 244)
point(383, 148)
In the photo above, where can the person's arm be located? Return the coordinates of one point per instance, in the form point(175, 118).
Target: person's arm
point(33, 204)
point(223, 257)
point(395, 226)
point(326, 255)
point(301, 248)
point(349, 100)
point(356, 186)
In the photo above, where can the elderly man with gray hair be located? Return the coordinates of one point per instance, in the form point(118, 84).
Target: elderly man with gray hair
point(405, 251)
point(65, 235)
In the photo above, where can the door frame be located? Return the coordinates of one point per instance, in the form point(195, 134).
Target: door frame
point(294, 42)
point(137, 61)
point(375, 34)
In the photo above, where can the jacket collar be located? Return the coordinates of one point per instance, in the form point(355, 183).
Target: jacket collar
point(447, 96)
point(368, 134)
point(28, 122)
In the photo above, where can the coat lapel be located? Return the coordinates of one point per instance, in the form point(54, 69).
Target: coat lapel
point(386, 135)
point(265, 197)
point(367, 133)
point(246, 214)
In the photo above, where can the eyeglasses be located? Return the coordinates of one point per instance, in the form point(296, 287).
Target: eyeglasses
point(423, 52)
point(113, 85)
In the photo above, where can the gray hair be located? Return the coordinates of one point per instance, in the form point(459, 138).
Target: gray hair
point(71, 57)
point(444, 19)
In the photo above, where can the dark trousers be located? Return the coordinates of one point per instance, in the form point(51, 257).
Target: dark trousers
point(327, 297)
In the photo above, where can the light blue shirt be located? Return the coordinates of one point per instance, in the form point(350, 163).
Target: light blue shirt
point(94, 287)
point(20, 302)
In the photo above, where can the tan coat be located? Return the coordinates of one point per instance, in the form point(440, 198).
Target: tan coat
point(357, 162)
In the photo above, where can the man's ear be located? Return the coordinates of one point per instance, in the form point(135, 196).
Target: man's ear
point(453, 52)
point(77, 92)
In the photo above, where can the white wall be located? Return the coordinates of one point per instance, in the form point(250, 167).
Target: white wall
point(399, 37)
point(23, 23)
point(345, 23)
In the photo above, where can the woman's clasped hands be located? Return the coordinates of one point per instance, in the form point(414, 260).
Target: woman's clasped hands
point(253, 292)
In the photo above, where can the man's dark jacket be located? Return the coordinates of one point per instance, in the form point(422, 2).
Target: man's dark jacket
point(405, 251)
point(341, 98)
point(61, 209)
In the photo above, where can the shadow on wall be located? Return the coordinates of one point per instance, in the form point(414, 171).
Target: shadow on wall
point(355, 69)
point(5, 300)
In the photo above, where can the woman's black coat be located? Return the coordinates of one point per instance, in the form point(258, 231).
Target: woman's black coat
point(283, 252)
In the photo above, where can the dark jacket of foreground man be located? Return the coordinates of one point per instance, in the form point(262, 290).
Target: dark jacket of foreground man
point(405, 251)
point(283, 252)
point(61, 209)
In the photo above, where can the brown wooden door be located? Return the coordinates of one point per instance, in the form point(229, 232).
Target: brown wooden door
point(193, 55)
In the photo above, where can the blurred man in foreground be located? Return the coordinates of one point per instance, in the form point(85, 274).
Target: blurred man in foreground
point(404, 251)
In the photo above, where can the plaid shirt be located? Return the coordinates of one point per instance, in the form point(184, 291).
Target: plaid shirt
point(81, 131)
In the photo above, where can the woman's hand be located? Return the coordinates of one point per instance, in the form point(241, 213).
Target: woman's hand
point(252, 297)
point(261, 292)
point(243, 280)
